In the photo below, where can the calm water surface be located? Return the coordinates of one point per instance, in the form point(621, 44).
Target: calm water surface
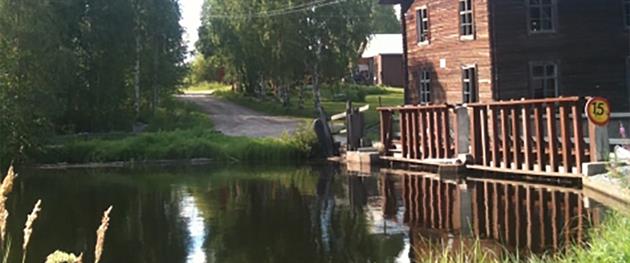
point(288, 214)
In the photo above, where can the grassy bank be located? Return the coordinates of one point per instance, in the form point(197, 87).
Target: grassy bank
point(609, 242)
point(180, 144)
point(333, 100)
point(178, 131)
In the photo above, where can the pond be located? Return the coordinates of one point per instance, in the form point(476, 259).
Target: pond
point(315, 213)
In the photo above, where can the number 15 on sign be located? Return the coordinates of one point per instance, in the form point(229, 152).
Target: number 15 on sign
point(598, 111)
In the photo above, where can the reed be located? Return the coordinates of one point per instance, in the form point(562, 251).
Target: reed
point(63, 257)
point(100, 235)
point(28, 228)
point(5, 189)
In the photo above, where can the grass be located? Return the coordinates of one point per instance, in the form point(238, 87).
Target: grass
point(181, 144)
point(333, 101)
point(176, 132)
point(205, 88)
point(610, 242)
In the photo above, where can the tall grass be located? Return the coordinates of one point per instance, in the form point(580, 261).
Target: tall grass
point(57, 256)
point(183, 144)
point(609, 242)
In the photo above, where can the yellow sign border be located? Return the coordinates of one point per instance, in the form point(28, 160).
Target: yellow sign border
point(589, 114)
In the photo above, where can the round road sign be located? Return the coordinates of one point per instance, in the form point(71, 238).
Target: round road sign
point(598, 111)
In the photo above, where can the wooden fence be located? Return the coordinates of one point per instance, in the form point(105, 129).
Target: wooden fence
point(543, 135)
point(424, 132)
point(536, 137)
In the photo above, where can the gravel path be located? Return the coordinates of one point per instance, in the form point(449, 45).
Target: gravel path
point(235, 120)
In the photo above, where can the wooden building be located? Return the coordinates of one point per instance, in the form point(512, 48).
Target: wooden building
point(460, 51)
point(381, 61)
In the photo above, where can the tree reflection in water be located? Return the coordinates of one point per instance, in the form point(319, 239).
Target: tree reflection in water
point(244, 214)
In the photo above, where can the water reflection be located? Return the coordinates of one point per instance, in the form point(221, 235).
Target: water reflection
point(289, 214)
point(196, 229)
point(502, 214)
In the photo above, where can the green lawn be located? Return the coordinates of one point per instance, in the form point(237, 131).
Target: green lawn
point(330, 101)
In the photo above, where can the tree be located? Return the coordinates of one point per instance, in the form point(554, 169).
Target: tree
point(385, 21)
point(67, 66)
point(276, 44)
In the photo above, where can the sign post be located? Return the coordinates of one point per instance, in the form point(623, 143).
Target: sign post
point(597, 111)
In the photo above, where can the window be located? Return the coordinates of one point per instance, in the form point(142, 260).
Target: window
point(422, 25)
point(424, 86)
point(541, 15)
point(544, 80)
point(626, 12)
point(469, 84)
point(466, 25)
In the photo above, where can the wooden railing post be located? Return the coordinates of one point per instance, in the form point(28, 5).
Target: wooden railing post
point(462, 130)
point(386, 130)
point(475, 134)
point(599, 146)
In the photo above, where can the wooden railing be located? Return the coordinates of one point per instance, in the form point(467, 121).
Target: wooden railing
point(533, 137)
point(424, 132)
point(543, 135)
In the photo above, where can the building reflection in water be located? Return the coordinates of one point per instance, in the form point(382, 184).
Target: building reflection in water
point(449, 214)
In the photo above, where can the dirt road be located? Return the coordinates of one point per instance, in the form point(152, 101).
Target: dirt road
point(235, 120)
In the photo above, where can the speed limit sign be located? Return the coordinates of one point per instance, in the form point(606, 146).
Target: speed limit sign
point(598, 111)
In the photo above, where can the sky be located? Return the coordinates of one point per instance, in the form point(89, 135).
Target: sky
point(191, 20)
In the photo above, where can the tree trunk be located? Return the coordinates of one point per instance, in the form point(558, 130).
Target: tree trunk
point(136, 81)
point(155, 100)
point(301, 97)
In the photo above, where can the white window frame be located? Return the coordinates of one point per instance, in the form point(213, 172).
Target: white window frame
point(470, 85)
point(470, 11)
point(420, 26)
point(424, 86)
point(553, 19)
point(544, 77)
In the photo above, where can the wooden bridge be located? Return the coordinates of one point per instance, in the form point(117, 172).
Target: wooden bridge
point(542, 137)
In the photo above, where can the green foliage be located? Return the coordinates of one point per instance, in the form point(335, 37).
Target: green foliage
point(177, 115)
point(180, 144)
point(352, 92)
point(385, 21)
point(609, 243)
point(206, 88)
point(278, 52)
point(204, 70)
point(68, 66)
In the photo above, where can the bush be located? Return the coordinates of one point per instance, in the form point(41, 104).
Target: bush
point(183, 144)
point(353, 92)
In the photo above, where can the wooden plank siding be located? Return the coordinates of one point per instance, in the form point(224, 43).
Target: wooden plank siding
point(589, 46)
point(445, 43)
